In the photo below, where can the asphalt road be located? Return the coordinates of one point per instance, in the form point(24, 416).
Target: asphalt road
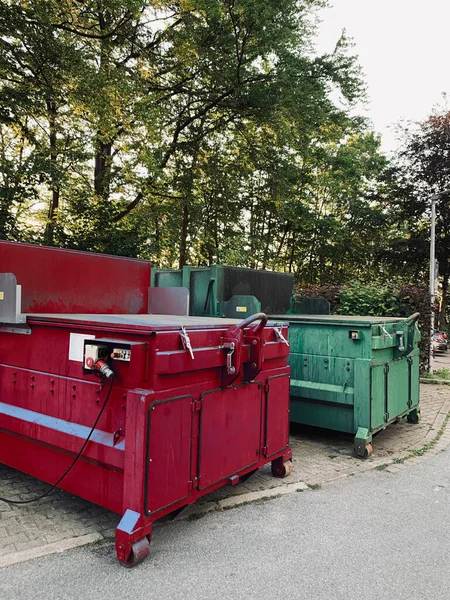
point(375, 535)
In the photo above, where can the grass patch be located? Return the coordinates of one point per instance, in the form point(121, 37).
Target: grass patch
point(438, 376)
point(426, 447)
point(398, 461)
point(382, 467)
point(314, 486)
point(332, 456)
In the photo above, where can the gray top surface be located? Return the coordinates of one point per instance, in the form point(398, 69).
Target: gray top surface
point(336, 319)
point(139, 320)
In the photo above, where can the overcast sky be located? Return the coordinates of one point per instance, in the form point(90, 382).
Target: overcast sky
point(404, 50)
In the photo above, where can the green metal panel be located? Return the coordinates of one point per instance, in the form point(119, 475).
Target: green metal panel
point(203, 294)
point(240, 307)
point(166, 278)
point(377, 399)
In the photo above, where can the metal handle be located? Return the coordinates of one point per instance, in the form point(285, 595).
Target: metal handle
point(413, 317)
point(264, 318)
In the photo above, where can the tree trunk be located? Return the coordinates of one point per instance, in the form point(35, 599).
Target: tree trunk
point(102, 168)
point(443, 306)
point(184, 233)
point(104, 139)
point(292, 253)
point(49, 232)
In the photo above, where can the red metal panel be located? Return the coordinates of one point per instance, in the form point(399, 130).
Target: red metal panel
point(103, 486)
point(169, 452)
point(277, 414)
point(59, 281)
point(229, 432)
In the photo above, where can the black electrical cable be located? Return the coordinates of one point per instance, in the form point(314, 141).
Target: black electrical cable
point(74, 460)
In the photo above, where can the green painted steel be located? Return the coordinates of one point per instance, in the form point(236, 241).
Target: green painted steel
point(221, 291)
point(353, 374)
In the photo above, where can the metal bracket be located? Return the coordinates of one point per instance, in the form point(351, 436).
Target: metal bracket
point(23, 329)
point(230, 368)
point(280, 336)
point(117, 435)
point(186, 341)
point(385, 331)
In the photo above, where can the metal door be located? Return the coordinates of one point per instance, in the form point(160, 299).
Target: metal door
point(277, 414)
point(393, 390)
point(169, 444)
point(230, 432)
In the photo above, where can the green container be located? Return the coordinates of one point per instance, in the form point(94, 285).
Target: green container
point(221, 291)
point(353, 374)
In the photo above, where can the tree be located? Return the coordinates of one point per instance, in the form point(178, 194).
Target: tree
point(187, 131)
point(423, 168)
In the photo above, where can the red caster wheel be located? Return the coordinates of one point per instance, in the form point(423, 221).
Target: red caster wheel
point(139, 551)
point(281, 469)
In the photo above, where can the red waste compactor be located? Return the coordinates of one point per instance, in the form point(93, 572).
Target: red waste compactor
point(172, 407)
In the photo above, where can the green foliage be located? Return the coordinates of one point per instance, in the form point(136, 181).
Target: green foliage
point(195, 131)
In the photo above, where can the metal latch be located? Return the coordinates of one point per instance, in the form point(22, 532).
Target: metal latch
point(280, 336)
point(401, 341)
point(231, 346)
point(186, 341)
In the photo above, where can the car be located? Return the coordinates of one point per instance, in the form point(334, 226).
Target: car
point(439, 341)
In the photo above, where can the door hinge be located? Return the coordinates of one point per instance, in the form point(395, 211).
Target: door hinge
point(196, 405)
point(266, 387)
point(192, 483)
point(265, 450)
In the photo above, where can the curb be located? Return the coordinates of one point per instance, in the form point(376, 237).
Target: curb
point(62, 546)
point(196, 512)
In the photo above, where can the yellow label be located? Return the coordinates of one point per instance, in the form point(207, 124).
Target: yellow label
point(241, 309)
point(2, 295)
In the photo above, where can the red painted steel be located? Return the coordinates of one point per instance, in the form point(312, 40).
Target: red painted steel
point(277, 414)
point(225, 415)
point(54, 280)
point(171, 431)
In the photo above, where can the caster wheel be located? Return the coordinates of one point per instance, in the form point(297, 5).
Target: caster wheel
point(281, 469)
point(362, 449)
point(139, 551)
point(413, 417)
point(368, 450)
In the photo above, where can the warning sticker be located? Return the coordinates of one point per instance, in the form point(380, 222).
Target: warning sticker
point(241, 309)
point(76, 345)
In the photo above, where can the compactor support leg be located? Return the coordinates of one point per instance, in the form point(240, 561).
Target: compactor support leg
point(363, 443)
point(132, 539)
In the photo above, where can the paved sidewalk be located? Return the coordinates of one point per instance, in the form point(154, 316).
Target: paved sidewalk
point(58, 521)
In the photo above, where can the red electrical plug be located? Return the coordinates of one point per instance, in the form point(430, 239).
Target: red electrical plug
point(101, 366)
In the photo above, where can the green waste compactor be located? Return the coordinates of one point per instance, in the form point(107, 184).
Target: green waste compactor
point(353, 374)
point(232, 292)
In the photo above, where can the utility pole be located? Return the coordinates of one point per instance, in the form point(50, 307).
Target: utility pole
point(434, 198)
